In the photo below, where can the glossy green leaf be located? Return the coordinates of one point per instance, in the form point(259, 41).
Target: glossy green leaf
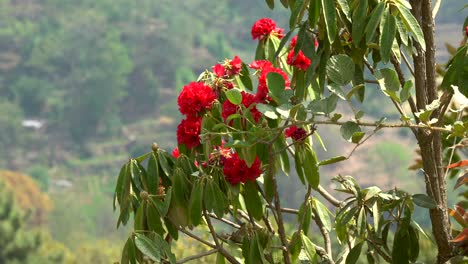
point(213, 198)
point(153, 219)
point(304, 216)
point(311, 168)
point(245, 77)
point(388, 79)
point(357, 136)
point(299, 167)
point(314, 13)
point(196, 202)
point(270, 3)
point(405, 92)
point(374, 21)
point(234, 96)
point(332, 160)
point(414, 244)
point(128, 252)
point(139, 221)
point(153, 174)
point(340, 69)
point(348, 129)
point(180, 187)
point(423, 200)
point(322, 213)
point(401, 246)
point(147, 247)
point(329, 14)
point(361, 222)
point(276, 85)
point(163, 158)
point(309, 249)
point(388, 31)
point(253, 201)
point(412, 24)
point(267, 110)
point(344, 6)
point(296, 11)
point(359, 22)
point(354, 254)
point(295, 246)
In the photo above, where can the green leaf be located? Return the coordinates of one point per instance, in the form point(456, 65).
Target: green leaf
point(295, 246)
point(359, 22)
point(401, 245)
point(147, 247)
point(414, 244)
point(323, 213)
point(195, 203)
point(299, 167)
point(423, 200)
point(348, 129)
point(332, 160)
point(153, 219)
point(128, 253)
point(336, 89)
point(245, 77)
point(405, 93)
point(309, 249)
point(298, 5)
point(425, 114)
point(220, 258)
point(329, 13)
point(253, 201)
point(267, 110)
point(213, 198)
point(139, 221)
point(345, 8)
point(270, 3)
point(153, 174)
point(412, 24)
point(374, 21)
point(388, 79)
point(376, 214)
point(234, 96)
point(163, 158)
point(457, 73)
point(340, 69)
point(357, 136)
point(276, 85)
point(311, 168)
point(388, 31)
point(314, 13)
point(353, 255)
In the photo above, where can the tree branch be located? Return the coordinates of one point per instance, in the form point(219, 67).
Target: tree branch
point(325, 194)
point(197, 256)
point(325, 235)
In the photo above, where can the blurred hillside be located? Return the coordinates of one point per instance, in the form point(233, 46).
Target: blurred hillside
point(86, 84)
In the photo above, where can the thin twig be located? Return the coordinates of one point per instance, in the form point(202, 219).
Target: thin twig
point(224, 220)
point(407, 62)
point(197, 256)
point(215, 238)
point(362, 142)
point(199, 239)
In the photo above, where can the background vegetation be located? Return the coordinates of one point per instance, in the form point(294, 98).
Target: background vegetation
point(93, 74)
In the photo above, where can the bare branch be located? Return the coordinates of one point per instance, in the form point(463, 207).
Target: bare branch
point(325, 194)
point(197, 256)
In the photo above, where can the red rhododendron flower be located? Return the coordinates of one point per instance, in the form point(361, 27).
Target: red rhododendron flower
point(260, 64)
point(175, 153)
point(301, 61)
point(265, 27)
point(195, 98)
point(219, 70)
point(262, 91)
point(293, 42)
point(247, 100)
point(234, 66)
point(188, 132)
point(236, 170)
point(298, 134)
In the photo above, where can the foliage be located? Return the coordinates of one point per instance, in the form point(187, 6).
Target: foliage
point(17, 243)
point(28, 196)
point(236, 141)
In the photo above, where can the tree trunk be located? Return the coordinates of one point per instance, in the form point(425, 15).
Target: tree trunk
point(430, 142)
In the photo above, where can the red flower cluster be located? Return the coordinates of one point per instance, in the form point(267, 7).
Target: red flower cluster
point(195, 98)
point(175, 153)
point(296, 133)
point(265, 27)
point(247, 100)
point(236, 170)
point(229, 68)
point(300, 60)
point(188, 132)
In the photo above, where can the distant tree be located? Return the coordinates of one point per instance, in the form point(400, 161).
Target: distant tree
point(17, 242)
